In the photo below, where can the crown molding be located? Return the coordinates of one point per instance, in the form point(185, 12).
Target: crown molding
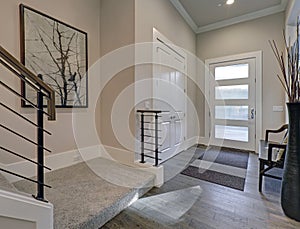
point(231, 21)
point(185, 15)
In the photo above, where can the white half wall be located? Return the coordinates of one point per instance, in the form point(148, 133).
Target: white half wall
point(25, 210)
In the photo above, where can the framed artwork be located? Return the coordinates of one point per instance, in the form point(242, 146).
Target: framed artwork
point(58, 53)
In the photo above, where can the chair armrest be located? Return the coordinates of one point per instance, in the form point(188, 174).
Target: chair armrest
point(274, 145)
point(282, 128)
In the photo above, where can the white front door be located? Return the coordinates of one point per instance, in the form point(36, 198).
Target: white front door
point(233, 103)
point(169, 90)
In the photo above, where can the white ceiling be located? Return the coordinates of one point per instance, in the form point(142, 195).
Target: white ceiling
point(206, 15)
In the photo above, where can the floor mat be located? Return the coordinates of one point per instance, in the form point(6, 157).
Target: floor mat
point(227, 167)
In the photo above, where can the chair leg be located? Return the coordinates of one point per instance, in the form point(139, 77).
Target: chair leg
point(261, 168)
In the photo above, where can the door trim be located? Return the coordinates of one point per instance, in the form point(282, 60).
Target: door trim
point(257, 55)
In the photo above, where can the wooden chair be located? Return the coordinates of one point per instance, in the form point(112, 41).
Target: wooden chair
point(271, 154)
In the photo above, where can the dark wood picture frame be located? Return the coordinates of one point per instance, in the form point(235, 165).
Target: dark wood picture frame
point(59, 53)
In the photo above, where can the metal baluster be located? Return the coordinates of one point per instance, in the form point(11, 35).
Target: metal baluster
point(156, 139)
point(142, 139)
point(40, 148)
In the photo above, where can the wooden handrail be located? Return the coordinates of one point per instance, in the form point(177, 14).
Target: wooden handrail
point(19, 67)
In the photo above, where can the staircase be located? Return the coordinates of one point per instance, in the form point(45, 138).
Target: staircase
point(82, 199)
point(88, 194)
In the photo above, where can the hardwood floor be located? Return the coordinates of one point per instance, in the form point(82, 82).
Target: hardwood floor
point(186, 202)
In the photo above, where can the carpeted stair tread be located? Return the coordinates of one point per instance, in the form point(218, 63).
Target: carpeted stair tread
point(83, 198)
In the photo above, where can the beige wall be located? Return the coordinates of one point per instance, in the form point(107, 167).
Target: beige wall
point(162, 15)
point(117, 30)
point(111, 24)
point(74, 12)
point(247, 37)
point(124, 23)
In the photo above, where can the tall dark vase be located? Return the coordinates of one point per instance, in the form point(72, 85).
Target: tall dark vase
point(290, 191)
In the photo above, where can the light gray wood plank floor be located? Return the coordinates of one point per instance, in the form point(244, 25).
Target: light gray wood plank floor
point(209, 205)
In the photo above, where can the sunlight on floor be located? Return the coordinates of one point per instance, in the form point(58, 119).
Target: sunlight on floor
point(168, 208)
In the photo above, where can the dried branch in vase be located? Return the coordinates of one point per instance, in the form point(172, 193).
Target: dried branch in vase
point(289, 77)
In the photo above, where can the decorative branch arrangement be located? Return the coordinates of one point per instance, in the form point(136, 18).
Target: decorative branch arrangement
point(289, 77)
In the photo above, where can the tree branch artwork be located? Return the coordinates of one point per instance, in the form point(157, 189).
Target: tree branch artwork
point(58, 52)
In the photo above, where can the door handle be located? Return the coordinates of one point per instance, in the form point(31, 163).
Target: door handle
point(252, 113)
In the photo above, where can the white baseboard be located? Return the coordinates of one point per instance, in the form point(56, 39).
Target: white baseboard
point(191, 142)
point(56, 161)
point(203, 141)
point(122, 156)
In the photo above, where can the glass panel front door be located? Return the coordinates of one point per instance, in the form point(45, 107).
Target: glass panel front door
point(232, 100)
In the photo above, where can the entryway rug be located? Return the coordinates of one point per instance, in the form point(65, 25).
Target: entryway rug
point(226, 167)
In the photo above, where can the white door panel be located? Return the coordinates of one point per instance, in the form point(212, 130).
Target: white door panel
point(169, 87)
point(165, 137)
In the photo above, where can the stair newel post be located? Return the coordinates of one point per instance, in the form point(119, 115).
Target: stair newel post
point(156, 139)
point(142, 138)
point(40, 148)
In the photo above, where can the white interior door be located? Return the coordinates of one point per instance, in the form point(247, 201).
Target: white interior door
point(169, 90)
point(232, 101)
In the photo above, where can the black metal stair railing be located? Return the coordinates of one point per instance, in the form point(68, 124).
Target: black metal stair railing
point(152, 133)
point(43, 91)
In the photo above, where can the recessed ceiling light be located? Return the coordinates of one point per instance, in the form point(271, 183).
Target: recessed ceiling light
point(229, 2)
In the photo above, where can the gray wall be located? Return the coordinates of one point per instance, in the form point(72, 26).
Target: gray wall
point(247, 37)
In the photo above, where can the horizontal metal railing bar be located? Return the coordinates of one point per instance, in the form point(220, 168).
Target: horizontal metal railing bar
point(153, 115)
point(151, 143)
point(23, 117)
point(25, 138)
point(35, 87)
point(149, 111)
point(22, 97)
point(272, 176)
point(151, 129)
point(152, 122)
point(149, 136)
point(23, 177)
point(25, 158)
point(151, 150)
point(11, 60)
point(145, 155)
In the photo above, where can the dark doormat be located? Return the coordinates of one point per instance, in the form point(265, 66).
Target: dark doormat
point(226, 167)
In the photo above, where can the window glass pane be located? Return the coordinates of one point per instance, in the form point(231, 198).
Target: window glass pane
point(232, 92)
point(238, 71)
point(235, 133)
point(232, 112)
